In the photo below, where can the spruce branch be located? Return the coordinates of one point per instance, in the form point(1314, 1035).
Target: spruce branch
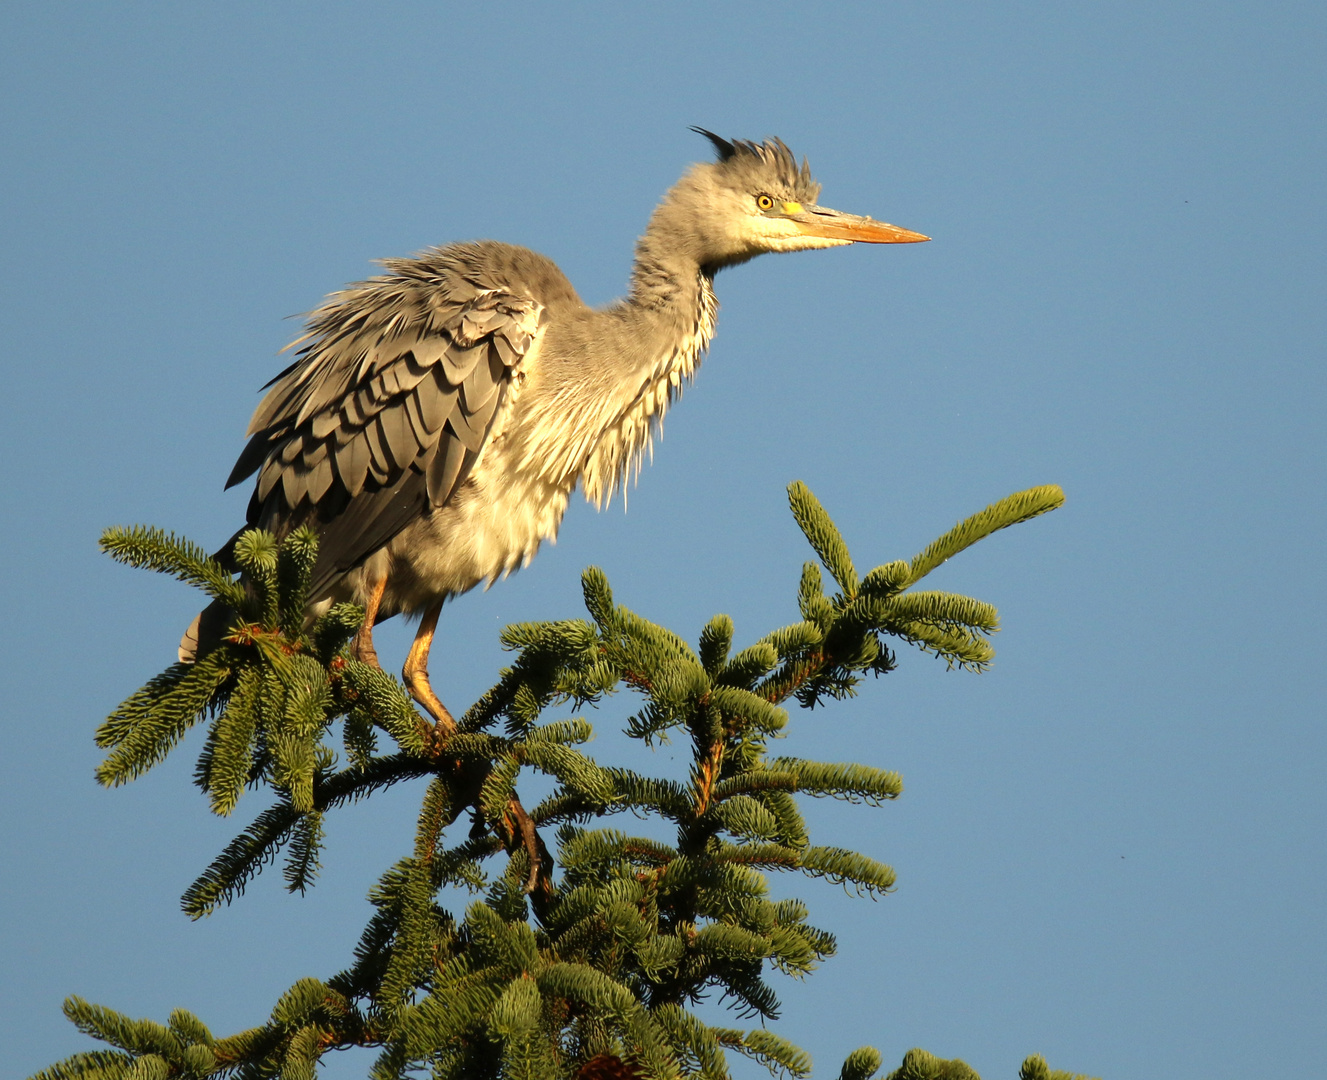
point(848, 867)
point(1035, 1068)
point(715, 641)
point(145, 728)
point(588, 973)
point(778, 1055)
point(850, 782)
point(823, 536)
point(920, 1065)
point(241, 861)
point(1011, 510)
point(89, 1065)
point(862, 1064)
point(155, 549)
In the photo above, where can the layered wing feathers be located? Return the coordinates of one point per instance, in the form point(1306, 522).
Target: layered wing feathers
point(387, 408)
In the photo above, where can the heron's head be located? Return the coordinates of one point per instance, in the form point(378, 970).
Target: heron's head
point(755, 198)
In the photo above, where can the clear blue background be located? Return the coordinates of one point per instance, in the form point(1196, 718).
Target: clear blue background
point(1110, 847)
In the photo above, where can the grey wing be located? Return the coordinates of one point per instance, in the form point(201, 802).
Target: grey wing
point(386, 411)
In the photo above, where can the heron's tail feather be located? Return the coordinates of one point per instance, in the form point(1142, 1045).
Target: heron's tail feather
point(205, 632)
point(210, 624)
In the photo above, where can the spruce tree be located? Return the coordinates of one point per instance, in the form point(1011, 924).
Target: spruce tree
point(585, 948)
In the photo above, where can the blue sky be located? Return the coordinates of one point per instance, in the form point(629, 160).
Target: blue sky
point(1110, 847)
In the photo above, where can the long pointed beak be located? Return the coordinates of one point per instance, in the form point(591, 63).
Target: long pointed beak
point(833, 225)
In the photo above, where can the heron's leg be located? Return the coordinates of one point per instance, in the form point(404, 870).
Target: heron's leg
point(416, 672)
point(362, 647)
point(516, 819)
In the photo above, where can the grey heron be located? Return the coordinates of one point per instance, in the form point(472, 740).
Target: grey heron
point(439, 416)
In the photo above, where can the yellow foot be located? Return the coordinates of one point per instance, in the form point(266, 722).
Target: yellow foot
point(416, 674)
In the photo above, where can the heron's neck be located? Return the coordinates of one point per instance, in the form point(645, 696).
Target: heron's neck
point(661, 329)
point(672, 298)
point(668, 274)
point(664, 284)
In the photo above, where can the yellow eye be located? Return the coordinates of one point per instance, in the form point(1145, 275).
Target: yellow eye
point(764, 202)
